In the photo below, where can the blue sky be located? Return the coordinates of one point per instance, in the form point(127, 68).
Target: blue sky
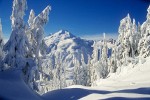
point(85, 18)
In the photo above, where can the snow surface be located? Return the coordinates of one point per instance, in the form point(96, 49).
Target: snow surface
point(129, 82)
point(133, 82)
point(12, 87)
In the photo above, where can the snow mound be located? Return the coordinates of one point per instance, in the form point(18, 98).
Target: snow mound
point(12, 87)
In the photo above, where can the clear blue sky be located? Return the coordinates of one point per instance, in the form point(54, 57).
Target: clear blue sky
point(80, 17)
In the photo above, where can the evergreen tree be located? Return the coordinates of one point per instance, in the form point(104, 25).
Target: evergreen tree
point(104, 59)
point(113, 63)
point(126, 40)
point(76, 70)
point(99, 67)
point(1, 47)
point(17, 45)
point(144, 43)
point(89, 71)
point(35, 34)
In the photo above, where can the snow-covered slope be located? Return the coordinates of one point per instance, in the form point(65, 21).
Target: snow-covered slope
point(65, 52)
point(13, 87)
point(65, 42)
point(67, 47)
point(131, 82)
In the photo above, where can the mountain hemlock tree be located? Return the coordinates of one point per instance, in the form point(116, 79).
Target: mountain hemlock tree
point(2, 54)
point(89, 71)
point(139, 36)
point(104, 58)
point(36, 31)
point(76, 71)
point(144, 43)
point(17, 46)
point(83, 72)
point(113, 59)
point(126, 41)
point(99, 65)
point(132, 39)
point(35, 35)
point(95, 52)
point(58, 76)
point(59, 73)
point(95, 62)
point(135, 41)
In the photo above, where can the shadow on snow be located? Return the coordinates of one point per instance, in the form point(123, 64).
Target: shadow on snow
point(77, 93)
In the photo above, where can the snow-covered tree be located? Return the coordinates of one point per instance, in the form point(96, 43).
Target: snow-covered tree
point(36, 31)
point(144, 43)
point(76, 76)
point(28, 30)
point(16, 47)
point(83, 80)
point(89, 71)
point(1, 47)
point(139, 32)
point(104, 59)
point(132, 39)
point(59, 74)
point(123, 43)
point(81, 71)
point(31, 17)
point(99, 68)
point(96, 52)
point(113, 59)
point(127, 43)
point(1, 36)
point(137, 38)
point(35, 34)
point(94, 63)
point(23, 47)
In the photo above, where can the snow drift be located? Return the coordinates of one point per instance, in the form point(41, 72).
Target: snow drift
point(13, 87)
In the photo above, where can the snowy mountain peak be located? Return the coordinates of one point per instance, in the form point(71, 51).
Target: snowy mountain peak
point(66, 33)
point(63, 31)
point(58, 36)
point(63, 37)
